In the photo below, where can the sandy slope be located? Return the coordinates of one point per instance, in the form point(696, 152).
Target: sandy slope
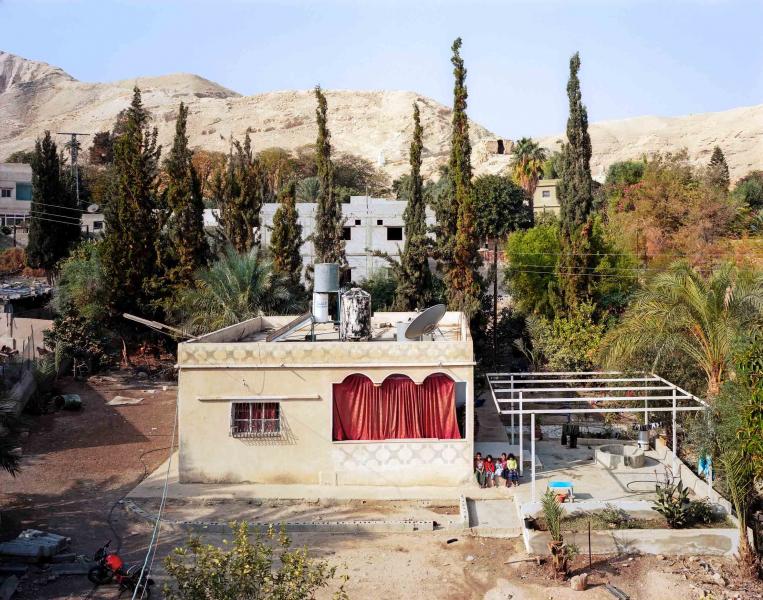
point(377, 125)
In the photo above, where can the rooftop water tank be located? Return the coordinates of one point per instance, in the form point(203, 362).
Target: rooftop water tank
point(355, 321)
point(325, 278)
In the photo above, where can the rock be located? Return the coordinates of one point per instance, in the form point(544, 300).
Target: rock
point(470, 558)
point(660, 557)
point(718, 578)
point(579, 582)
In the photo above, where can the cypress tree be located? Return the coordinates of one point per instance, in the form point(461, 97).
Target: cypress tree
point(185, 247)
point(575, 196)
point(54, 227)
point(414, 281)
point(718, 170)
point(462, 257)
point(286, 240)
point(130, 242)
point(241, 200)
point(327, 239)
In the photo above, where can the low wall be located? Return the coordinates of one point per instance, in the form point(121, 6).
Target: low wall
point(715, 542)
point(699, 487)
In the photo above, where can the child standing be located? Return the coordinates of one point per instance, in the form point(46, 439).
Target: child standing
point(479, 469)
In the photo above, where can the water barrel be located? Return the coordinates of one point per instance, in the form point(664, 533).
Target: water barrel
point(355, 324)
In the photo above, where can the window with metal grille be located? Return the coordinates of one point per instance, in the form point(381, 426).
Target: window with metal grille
point(5, 192)
point(255, 419)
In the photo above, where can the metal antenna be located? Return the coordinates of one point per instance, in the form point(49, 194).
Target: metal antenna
point(74, 153)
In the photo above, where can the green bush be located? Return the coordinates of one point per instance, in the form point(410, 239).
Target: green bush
point(566, 343)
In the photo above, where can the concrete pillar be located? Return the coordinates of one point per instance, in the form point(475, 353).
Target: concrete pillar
point(532, 452)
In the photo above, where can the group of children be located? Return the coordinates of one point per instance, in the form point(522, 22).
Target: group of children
point(488, 471)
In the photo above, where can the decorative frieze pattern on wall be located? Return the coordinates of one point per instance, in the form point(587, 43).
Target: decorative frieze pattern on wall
point(393, 455)
point(286, 353)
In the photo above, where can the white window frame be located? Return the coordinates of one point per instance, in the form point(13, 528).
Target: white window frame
point(6, 192)
point(258, 432)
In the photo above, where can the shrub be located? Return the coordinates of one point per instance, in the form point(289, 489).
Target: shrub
point(263, 568)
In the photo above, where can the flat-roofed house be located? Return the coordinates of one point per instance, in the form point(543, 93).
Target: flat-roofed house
point(546, 197)
point(311, 409)
point(15, 193)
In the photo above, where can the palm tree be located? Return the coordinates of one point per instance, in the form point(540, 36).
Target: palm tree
point(234, 288)
point(9, 455)
point(527, 165)
point(696, 317)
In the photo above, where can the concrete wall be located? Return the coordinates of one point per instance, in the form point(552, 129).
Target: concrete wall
point(718, 542)
point(300, 376)
point(14, 331)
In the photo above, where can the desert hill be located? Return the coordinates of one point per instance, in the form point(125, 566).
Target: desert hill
point(35, 96)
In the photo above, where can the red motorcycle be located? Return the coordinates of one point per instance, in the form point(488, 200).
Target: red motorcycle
point(110, 567)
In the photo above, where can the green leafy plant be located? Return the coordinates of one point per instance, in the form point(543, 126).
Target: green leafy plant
point(262, 567)
point(561, 553)
point(673, 504)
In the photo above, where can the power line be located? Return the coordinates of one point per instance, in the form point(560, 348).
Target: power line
point(44, 213)
point(79, 210)
point(155, 535)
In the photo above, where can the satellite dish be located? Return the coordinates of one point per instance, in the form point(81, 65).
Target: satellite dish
point(426, 322)
point(93, 208)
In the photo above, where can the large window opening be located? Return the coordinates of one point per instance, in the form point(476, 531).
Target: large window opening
point(397, 409)
point(394, 234)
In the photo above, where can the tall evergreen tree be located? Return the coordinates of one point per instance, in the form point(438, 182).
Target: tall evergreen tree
point(241, 198)
point(414, 280)
point(718, 170)
point(184, 247)
point(286, 240)
point(462, 257)
point(327, 239)
point(54, 221)
point(575, 196)
point(129, 246)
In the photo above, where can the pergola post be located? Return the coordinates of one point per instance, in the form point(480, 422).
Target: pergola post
point(512, 408)
point(675, 436)
point(532, 452)
point(521, 444)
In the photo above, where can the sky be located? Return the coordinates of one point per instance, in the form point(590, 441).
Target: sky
point(670, 57)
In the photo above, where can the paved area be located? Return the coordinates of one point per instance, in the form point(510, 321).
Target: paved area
point(153, 486)
point(591, 480)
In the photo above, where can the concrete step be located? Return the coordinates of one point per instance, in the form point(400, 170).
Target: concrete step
point(493, 518)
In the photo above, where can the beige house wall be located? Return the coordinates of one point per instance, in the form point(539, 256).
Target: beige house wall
point(546, 204)
point(300, 375)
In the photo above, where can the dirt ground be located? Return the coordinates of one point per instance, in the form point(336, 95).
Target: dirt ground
point(77, 466)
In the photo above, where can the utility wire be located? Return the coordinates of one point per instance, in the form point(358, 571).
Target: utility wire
point(155, 535)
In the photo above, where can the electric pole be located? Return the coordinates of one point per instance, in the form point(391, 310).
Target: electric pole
point(74, 153)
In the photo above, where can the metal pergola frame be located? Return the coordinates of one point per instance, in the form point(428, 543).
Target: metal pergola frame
point(540, 393)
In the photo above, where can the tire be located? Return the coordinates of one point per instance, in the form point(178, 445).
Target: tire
point(99, 575)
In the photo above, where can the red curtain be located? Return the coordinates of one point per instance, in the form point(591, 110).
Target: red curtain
point(398, 409)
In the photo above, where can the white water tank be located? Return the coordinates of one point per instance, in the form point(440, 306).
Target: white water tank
point(321, 308)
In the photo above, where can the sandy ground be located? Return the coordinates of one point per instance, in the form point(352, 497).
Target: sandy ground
point(77, 465)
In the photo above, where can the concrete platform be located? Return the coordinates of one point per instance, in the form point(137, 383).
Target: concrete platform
point(591, 480)
point(494, 518)
point(153, 486)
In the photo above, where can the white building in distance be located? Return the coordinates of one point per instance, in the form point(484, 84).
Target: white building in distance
point(371, 225)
